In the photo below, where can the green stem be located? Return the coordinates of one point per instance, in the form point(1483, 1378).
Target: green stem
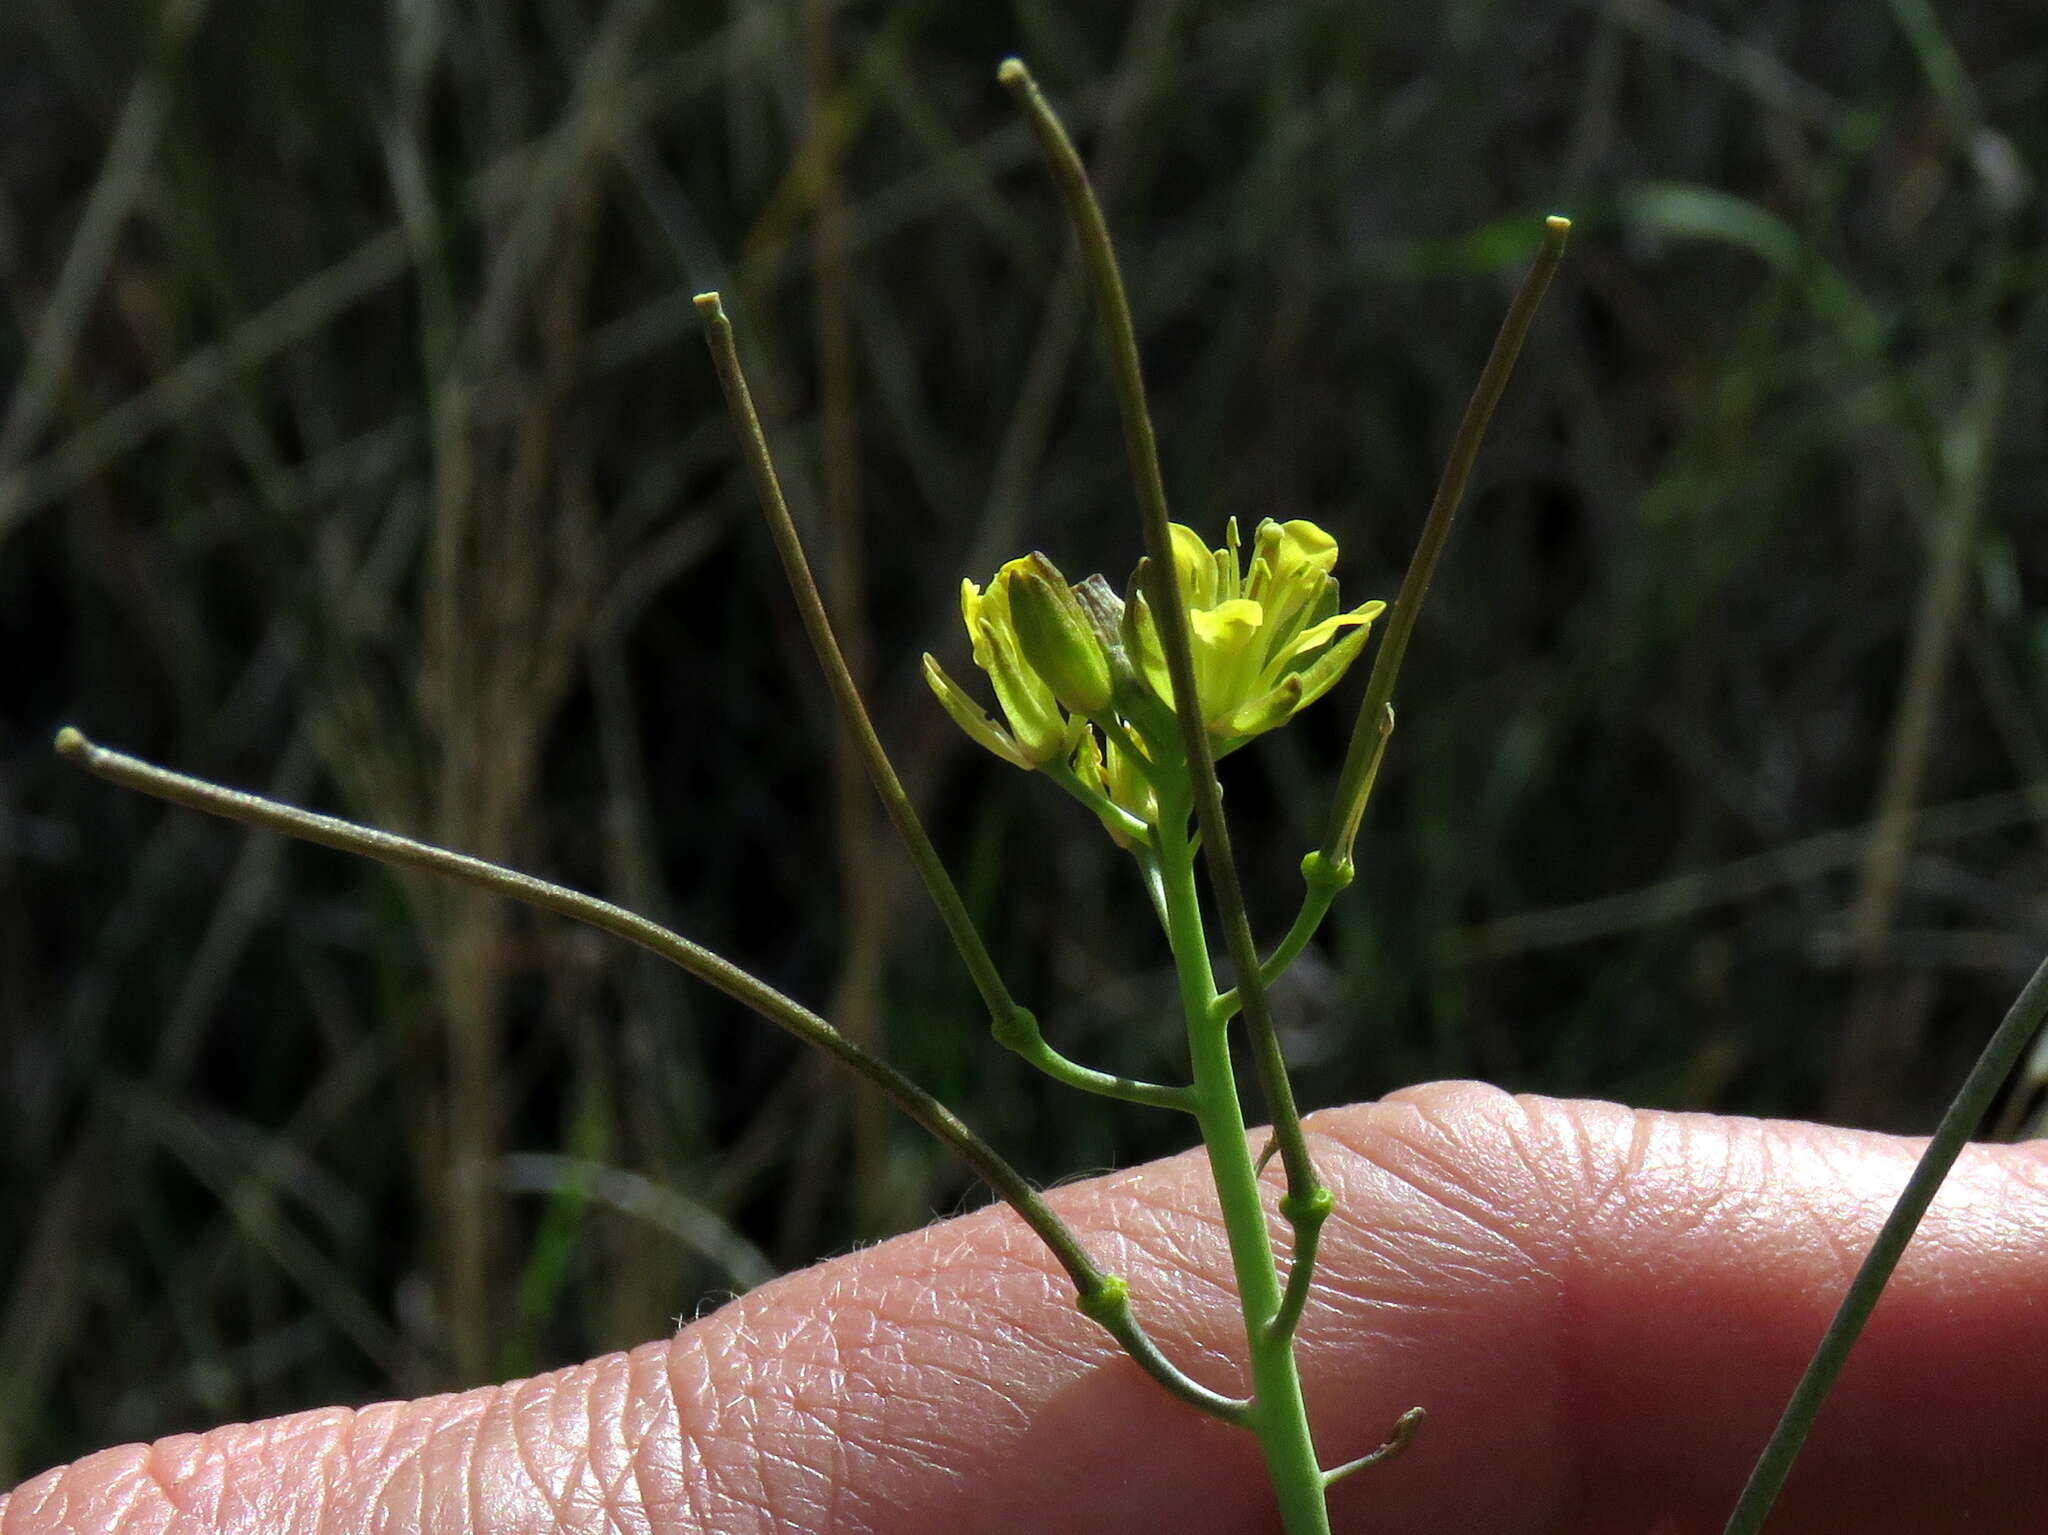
point(1307, 1220)
point(1101, 1296)
point(1404, 1430)
point(1003, 1009)
point(1279, 1416)
point(1024, 1039)
point(1354, 784)
point(2022, 1022)
point(1108, 809)
point(1323, 882)
point(1170, 609)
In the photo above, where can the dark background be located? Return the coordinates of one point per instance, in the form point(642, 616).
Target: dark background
point(359, 446)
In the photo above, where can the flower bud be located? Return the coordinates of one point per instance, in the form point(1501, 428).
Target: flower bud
point(1057, 640)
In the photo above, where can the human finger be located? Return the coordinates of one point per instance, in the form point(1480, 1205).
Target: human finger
point(1601, 1310)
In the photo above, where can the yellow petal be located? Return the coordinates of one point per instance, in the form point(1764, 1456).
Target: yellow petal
point(1193, 566)
point(1304, 542)
point(1228, 655)
point(1227, 624)
point(1291, 566)
point(1143, 645)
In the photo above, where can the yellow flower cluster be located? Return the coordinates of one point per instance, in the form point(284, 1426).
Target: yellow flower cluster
point(1080, 674)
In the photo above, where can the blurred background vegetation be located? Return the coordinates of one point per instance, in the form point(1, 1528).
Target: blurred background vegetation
point(358, 446)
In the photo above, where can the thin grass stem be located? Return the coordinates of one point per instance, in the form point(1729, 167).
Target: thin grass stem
point(2008, 1043)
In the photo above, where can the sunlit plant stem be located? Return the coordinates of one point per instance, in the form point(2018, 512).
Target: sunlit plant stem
point(1099, 1295)
point(1278, 1415)
point(2023, 1021)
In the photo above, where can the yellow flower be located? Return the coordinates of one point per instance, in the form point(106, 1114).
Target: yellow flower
point(1038, 730)
point(1262, 636)
point(1079, 675)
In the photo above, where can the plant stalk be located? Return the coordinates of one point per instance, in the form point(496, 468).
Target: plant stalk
point(1306, 1194)
point(2008, 1043)
point(1278, 1415)
point(1100, 1295)
point(1003, 1009)
point(1361, 758)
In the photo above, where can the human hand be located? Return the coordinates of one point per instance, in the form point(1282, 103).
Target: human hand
point(1603, 1312)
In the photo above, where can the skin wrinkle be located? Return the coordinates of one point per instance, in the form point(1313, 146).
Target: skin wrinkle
point(1496, 1227)
point(1841, 1234)
point(555, 1492)
point(583, 1415)
point(984, 1362)
point(917, 1427)
point(403, 1442)
point(140, 1495)
point(30, 1501)
point(309, 1498)
point(173, 1471)
point(1704, 1183)
point(382, 1476)
point(1200, 1267)
point(579, 1490)
point(829, 1409)
point(477, 1434)
point(53, 1499)
point(2028, 1178)
point(714, 1371)
point(1810, 1223)
point(1177, 1233)
point(1012, 1287)
point(77, 1495)
point(683, 1361)
point(1181, 1234)
point(1524, 1344)
point(1547, 1157)
point(1611, 1161)
point(814, 1381)
point(126, 1500)
point(207, 1491)
point(926, 1451)
point(1605, 1180)
point(1417, 1159)
point(608, 1458)
point(1399, 1267)
point(662, 1459)
point(734, 1416)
